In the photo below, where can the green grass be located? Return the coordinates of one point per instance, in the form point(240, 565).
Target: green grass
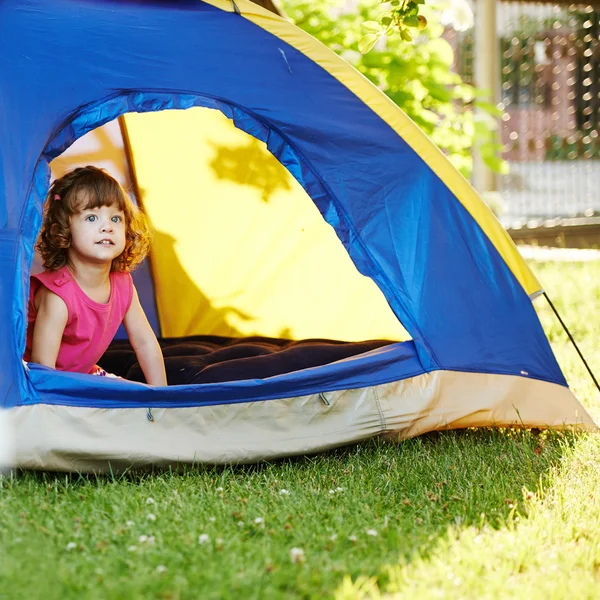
point(476, 514)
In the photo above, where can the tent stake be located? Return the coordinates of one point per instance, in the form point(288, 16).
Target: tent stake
point(572, 341)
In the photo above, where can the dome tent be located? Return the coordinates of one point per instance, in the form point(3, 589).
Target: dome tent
point(407, 220)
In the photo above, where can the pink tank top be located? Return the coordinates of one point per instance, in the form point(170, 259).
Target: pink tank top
point(91, 326)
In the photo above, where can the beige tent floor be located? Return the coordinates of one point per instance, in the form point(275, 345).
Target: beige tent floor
point(95, 440)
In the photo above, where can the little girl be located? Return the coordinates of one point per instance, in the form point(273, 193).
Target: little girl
point(91, 237)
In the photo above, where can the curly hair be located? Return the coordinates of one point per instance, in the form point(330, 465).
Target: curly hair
point(96, 188)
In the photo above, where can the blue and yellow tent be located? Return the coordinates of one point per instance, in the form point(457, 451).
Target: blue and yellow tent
point(289, 198)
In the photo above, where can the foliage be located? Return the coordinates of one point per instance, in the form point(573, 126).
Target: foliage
point(402, 16)
point(417, 76)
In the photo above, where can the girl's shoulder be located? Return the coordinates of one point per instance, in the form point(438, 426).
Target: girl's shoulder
point(50, 279)
point(122, 278)
point(122, 288)
point(46, 287)
point(51, 301)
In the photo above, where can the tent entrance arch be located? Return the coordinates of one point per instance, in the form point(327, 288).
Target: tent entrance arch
point(358, 307)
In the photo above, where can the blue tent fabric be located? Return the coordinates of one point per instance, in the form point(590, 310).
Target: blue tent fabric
point(68, 66)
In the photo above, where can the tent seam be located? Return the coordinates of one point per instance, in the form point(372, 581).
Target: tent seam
point(384, 427)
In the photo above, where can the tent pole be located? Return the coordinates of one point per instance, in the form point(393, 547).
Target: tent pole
point(487, 78)
point(572, 341)
point(138, 198)
point(129, 160)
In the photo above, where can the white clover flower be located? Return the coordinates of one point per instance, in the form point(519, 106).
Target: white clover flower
point(212, 519)
point(150, 501)
point(297, 555)
point(372, 532)
point(203, 538)
point(143, 539)
point(240, 523)
point(151, 517)
point(333, 537)
point(284, 492)
point(352, 538)
point(132, 548)
point(151, 539)
point(219, 489)
point(129, 523)
point(259, 521)
point(219, 541)
point(339, 490)
point(161, 569)
point(332, 491)
point(71, 546)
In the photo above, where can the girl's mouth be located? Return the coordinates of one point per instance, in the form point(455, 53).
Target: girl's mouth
point(105, 243)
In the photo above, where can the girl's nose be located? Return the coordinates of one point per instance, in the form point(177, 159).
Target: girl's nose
point(107, 226)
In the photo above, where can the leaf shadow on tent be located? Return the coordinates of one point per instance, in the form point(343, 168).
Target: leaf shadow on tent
point(247, 165)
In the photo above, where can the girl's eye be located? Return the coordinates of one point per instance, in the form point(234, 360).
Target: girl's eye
point(91, 218)
point(117, 219)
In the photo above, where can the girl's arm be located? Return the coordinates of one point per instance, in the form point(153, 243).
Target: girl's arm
point(50, 323)
point(144, 343)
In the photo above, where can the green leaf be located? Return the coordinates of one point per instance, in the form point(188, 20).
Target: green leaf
point(385, 21)
point(367, 42)
point(406, 36)
point(371, 26)
point(411, 21)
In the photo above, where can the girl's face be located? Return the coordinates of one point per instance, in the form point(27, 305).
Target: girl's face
point(97, 234)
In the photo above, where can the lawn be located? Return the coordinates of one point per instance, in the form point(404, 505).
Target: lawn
point(470, 514)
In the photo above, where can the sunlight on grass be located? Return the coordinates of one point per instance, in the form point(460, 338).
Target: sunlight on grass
point(549, 549)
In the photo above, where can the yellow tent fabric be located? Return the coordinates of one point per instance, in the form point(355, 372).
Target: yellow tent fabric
point(241, 248)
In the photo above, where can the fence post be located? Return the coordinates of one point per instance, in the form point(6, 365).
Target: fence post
point(487, 78)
